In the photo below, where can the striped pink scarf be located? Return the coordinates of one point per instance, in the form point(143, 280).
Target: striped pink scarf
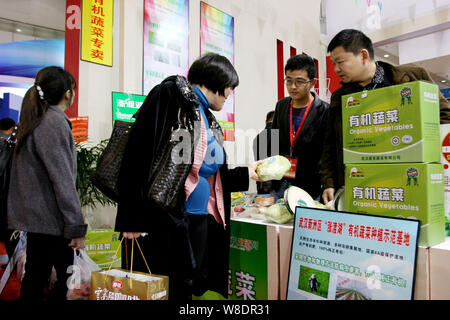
point(215, 204)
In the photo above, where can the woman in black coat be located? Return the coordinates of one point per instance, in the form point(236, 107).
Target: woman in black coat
point(191, 243)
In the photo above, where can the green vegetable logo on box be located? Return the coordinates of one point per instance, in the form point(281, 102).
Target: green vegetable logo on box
point(394, 124)
point(406, 94)
point(412, 174)
point(406, 190)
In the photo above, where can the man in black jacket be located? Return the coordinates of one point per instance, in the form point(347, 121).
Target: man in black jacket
point(301, 120)
point(352, 55)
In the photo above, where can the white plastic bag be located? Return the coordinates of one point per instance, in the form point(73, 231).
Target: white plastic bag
point(79, 283)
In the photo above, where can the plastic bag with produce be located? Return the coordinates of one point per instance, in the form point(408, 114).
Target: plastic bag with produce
point(278, 213)
point(273, 168)
point(79, 283)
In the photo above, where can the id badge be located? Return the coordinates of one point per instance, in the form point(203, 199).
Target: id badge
point(291, 173)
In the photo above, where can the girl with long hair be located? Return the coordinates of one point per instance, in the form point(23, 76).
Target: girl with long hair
point(42, 197)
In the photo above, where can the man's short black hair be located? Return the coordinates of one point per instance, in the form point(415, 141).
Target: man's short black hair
point(269, 116)
point(352, 41)
point(215, 72)
point(7, 123)
point(301, 62)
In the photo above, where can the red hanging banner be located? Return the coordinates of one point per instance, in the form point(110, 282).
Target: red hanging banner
point(72, 47)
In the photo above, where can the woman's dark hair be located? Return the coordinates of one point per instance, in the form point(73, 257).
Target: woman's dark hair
point(352, 41)
point(302, 62)
point(50, 85)
point(215, 72)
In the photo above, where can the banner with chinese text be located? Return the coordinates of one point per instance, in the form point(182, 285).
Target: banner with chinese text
point(253, 265)
point(217, 36)
point(80, 126)
point(166, 41)
point(97, 31)
point(125, 105)
point(344, 256)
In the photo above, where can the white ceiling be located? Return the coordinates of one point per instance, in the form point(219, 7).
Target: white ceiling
point(439, 68)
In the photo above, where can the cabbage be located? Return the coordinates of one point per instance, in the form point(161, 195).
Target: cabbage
point(273, 168)
point(319, 205)
point(278, 213)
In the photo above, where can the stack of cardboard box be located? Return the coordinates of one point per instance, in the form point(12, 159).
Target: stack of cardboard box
point(392, 155)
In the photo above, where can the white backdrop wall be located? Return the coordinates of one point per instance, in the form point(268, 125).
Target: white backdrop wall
point(258, 24)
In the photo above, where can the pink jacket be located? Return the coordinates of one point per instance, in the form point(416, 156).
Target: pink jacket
point(215, 204)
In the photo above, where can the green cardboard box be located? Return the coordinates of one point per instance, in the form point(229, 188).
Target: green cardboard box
point(101, 245)
point(393, 124)
point(406, 190)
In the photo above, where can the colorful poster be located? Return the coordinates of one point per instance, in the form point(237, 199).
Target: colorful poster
point(344, 256)
point(103, 247)
point(217, 36)
point(97, 31)
point(125, 105)
point(80, 127)
point(166, 41)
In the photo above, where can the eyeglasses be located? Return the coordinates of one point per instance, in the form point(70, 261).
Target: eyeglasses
point(297, 81)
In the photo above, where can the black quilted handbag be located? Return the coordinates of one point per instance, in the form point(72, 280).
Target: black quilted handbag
point(106, 175)
point(168, 173)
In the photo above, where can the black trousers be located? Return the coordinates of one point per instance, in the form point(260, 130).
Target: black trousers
point(198, 234)
point(43, 253)
point(166, 256)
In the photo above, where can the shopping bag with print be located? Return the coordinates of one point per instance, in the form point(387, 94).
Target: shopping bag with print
point(122, 284)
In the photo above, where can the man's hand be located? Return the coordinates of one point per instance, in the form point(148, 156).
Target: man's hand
point(77, 243)
point(328, 195)
point(131, 235)
point(252, 171)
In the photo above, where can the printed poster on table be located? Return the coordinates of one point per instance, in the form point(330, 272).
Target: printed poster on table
point(217, 36)
point(166, 41)
point(125, 105)
point(345, 256)
point(97, 31)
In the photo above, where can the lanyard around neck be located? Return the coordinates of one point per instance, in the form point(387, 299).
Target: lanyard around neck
point(293, 139)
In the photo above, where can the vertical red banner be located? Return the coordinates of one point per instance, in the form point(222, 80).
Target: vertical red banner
point(335, 81)
point(317, 86)
point(280, 69)
point(293, 51)
point(72, 47)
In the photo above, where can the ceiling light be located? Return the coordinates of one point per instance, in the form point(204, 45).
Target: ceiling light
point(443, 81)
point(19, 30)
point(386, 56)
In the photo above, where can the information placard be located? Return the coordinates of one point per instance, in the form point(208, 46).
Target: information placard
point(125, 105)
point(346, 256)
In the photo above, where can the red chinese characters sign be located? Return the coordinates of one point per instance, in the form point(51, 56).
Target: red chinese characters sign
point(397, 237)
point(80, 128)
